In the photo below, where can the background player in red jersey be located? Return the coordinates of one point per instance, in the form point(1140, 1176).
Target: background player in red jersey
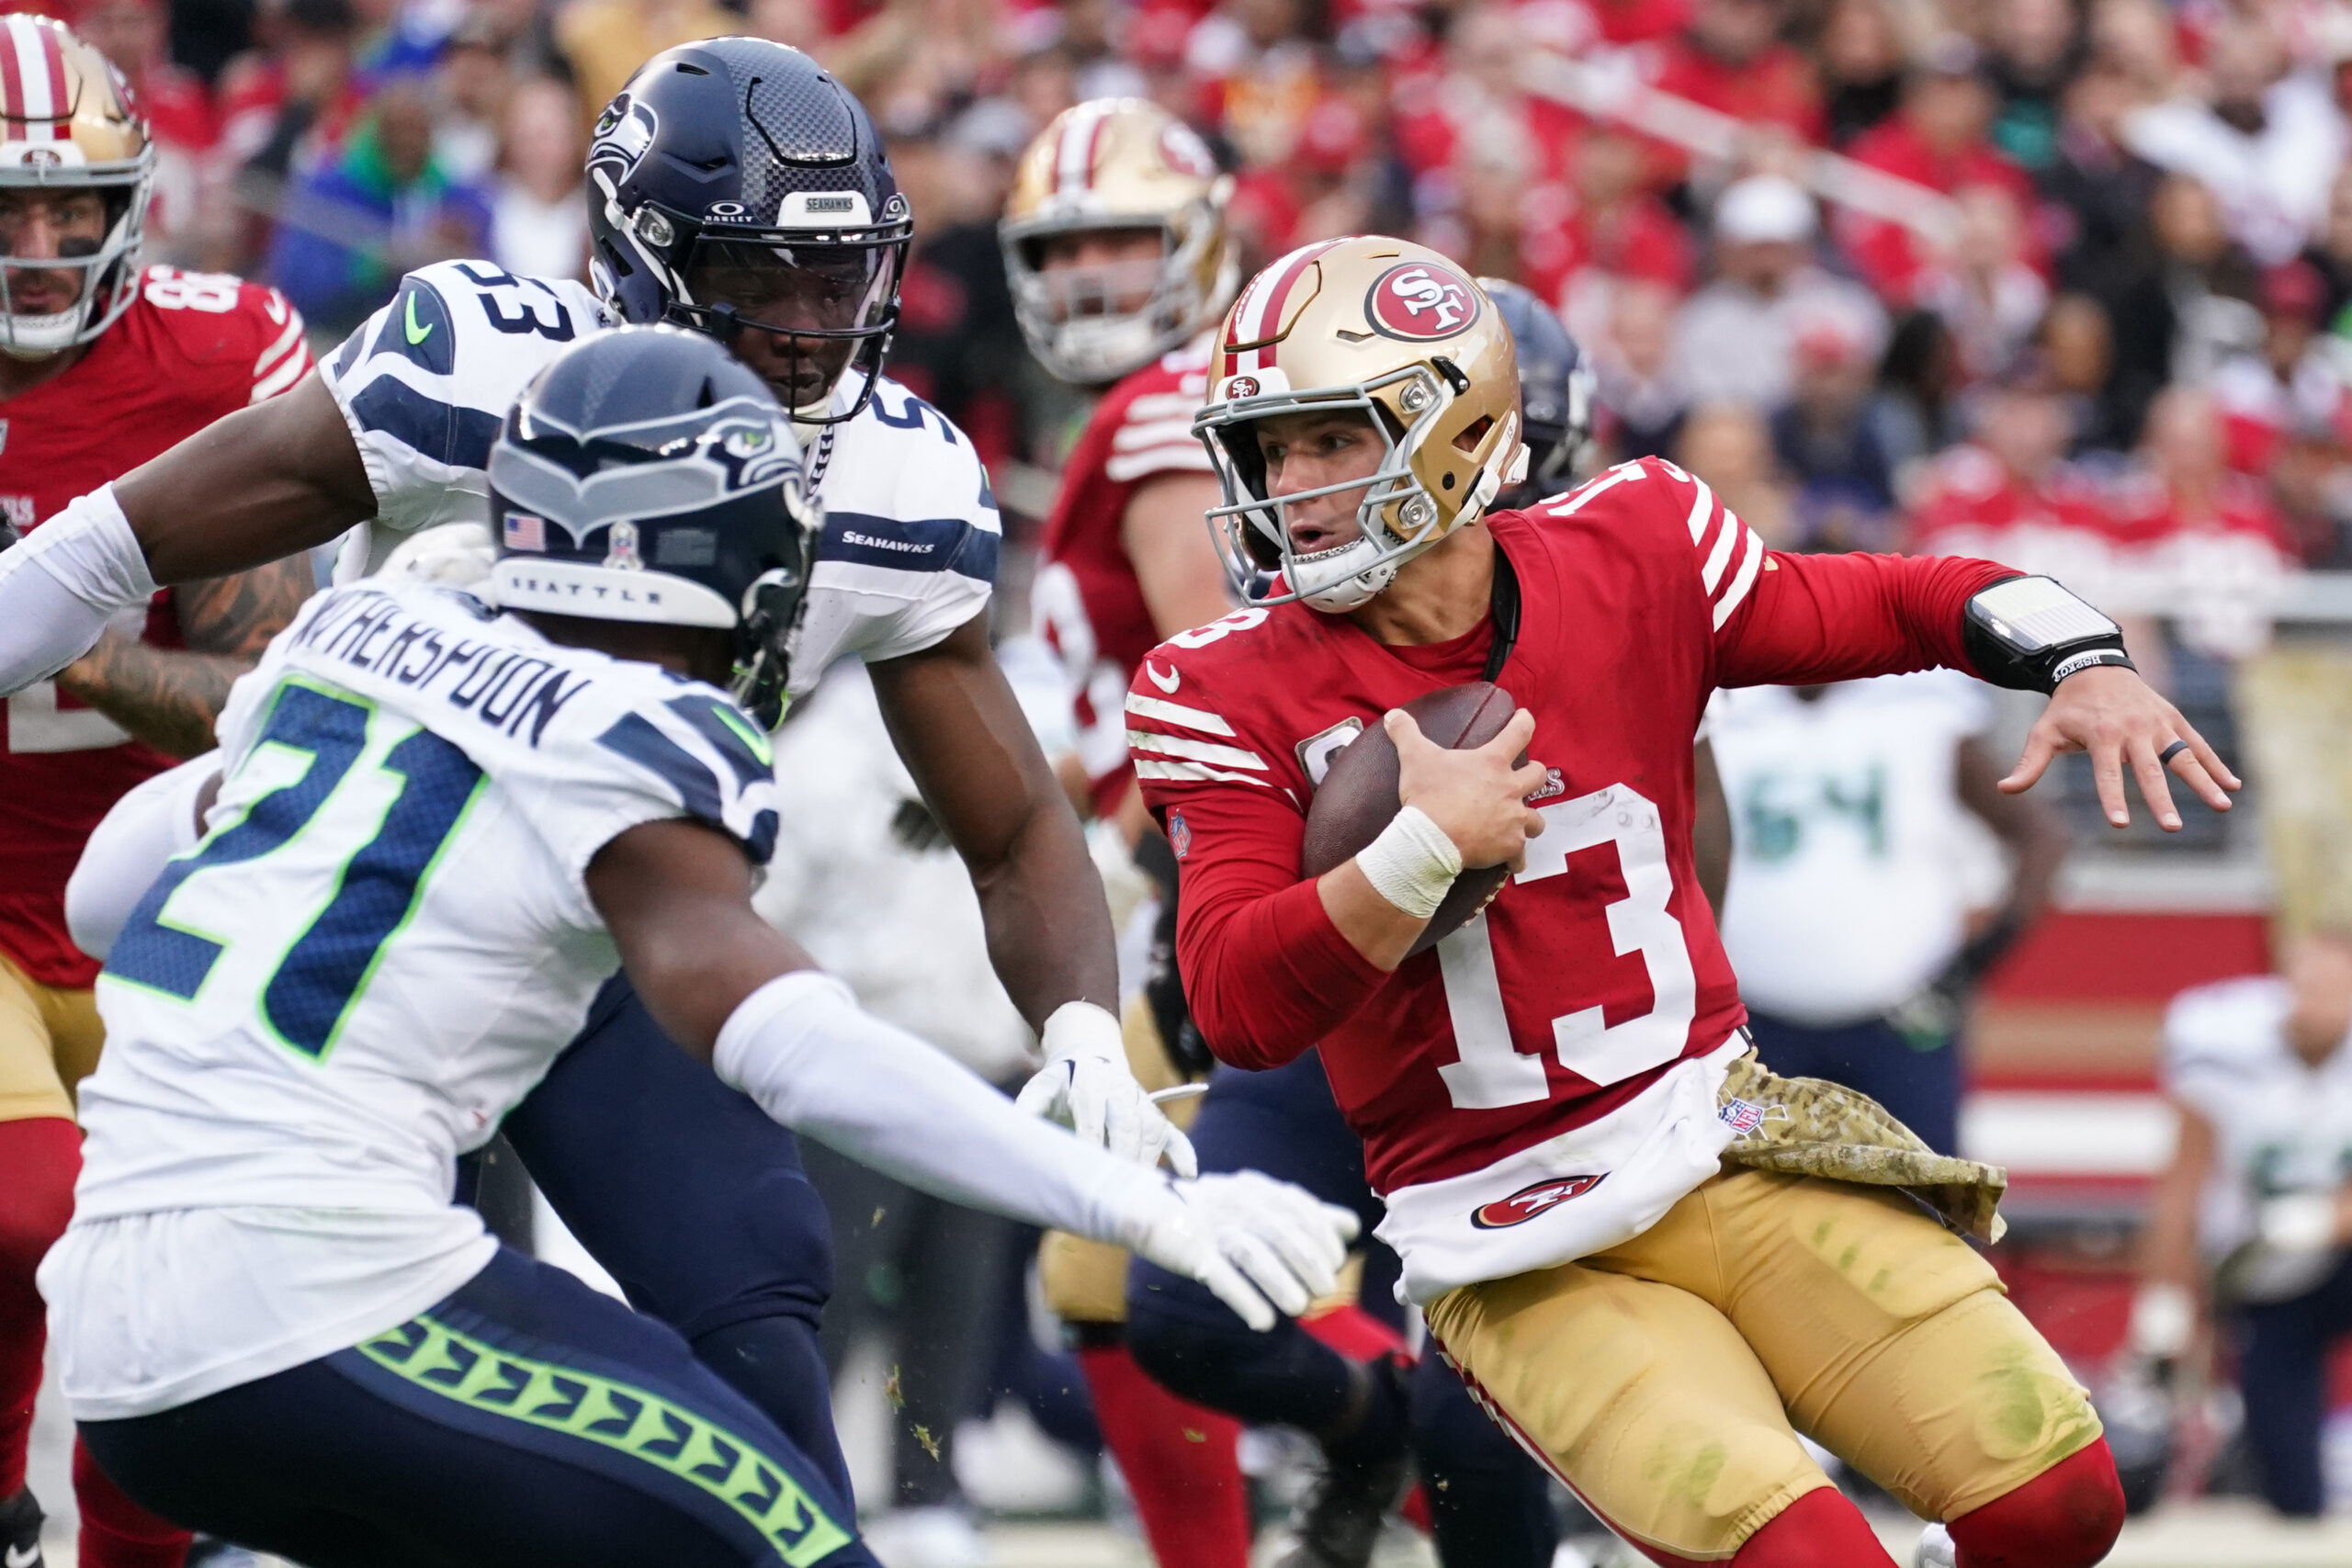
point(1115, 243)
point(1542, 1095)
point(102, 365)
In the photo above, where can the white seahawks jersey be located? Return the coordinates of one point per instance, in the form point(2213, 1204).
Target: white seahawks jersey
point(2281, 1125)
point(911, 534)
point(377, 951)
point(1849, 887)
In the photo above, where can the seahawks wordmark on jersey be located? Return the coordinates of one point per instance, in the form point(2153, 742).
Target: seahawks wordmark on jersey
point(377, 951)
point(911, 535)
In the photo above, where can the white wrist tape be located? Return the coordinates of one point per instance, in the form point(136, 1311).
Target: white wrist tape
point(1412, 863)
point(810, 1057)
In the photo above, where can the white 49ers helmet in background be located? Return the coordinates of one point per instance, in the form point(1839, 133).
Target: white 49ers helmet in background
point(1111, 164)
point(67, 122)
point(1392, 329)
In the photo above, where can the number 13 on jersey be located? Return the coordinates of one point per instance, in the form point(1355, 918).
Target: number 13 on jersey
point(1491, 1073)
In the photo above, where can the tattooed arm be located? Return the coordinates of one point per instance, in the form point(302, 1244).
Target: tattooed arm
point(169, 697)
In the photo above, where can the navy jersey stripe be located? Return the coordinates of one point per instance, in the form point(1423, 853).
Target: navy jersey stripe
point(751, 764)
point(924, 543)
point(459, 437)
point(636, 737)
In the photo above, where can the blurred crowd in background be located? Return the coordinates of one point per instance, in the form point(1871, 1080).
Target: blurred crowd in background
point(2122, 254)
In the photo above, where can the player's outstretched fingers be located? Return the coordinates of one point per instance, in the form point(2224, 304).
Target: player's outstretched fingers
point(2200, 767)
point(2107, 778)
point(1124, 1132)
point(2033, 763)
point(1179, 1154)
point(1230, 1286)
point(2155, 788)
point(1262, 1264)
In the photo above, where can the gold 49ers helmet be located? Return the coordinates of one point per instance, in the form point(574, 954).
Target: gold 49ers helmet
point(1112, 165)
point(67, 122)
point(1387, 327)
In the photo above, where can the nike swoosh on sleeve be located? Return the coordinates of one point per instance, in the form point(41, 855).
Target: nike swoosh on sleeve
point(410, 326)
point(1168, 683)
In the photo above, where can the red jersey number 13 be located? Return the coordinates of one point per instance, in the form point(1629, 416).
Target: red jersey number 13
point(1491, 1073)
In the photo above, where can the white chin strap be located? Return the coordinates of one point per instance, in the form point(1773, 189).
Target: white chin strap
point(38, 337)
point(1350, 574)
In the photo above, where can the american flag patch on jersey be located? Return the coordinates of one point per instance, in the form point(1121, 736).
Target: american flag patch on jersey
point(1743, 1116)
point(525, 532)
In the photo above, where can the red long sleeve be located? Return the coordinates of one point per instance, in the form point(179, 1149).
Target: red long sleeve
point(1814, 619)
point(1266, 972)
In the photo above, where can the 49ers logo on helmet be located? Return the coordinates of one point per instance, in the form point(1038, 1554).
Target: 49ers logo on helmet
point(1185, 151)
point(1533, 1200)
point(1421, 301)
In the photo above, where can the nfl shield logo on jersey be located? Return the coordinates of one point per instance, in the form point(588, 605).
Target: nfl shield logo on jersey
point(1743, 1116)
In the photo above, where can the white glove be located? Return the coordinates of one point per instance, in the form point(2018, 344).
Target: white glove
point(1086, 1087)
point(1264, 1246)
point(455, 554)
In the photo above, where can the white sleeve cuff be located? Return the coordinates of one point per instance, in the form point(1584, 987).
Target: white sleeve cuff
point(60, 585)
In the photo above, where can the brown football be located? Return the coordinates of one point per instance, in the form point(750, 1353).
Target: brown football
point(1358, 796)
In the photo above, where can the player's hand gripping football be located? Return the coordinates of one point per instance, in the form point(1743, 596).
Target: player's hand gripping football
point(1262, 1246)
point(1476, 796)
point(2116, 717)
point(1086, 1087)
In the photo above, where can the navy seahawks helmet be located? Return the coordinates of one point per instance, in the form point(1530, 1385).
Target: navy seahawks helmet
point(646, 476)
point(1555, 393)
point(738, 189)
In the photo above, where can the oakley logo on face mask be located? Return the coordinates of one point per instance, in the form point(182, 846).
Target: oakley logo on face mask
point(1421, 301)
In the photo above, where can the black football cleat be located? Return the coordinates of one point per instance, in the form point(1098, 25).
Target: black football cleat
point(1338, 1522)
point(20, 1532)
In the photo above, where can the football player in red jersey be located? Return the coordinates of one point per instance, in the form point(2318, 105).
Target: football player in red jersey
point(103, 365)
point(1551, 1097)
point(1115, 244)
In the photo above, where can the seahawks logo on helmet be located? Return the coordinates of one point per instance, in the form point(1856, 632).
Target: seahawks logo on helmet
point(623, 131)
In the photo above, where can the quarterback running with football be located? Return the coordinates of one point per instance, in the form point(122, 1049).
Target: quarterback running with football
point(1547, 1096)
point(103, 364)
point(736, 189)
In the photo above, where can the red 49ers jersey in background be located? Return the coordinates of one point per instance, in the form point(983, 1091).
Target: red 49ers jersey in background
point(192, 347)
point(1598, 966)
point(1090, 606)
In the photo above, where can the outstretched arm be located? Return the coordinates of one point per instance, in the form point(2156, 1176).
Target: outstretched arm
point(1817, 618)
point(962, 735)
point(261, 484)
point(738, 994)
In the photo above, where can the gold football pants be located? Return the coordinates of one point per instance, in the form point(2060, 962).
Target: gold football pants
point(1666, 1380)
point(48, 1042)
